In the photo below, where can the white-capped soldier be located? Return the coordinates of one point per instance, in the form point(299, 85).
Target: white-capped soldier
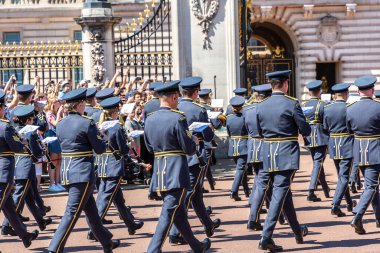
point(237, 148)
point(363, 120)
point(78, 172)
point(340, 146)
point(10, 143)
point(171, 172)
point(111, 170)
point(317, 141)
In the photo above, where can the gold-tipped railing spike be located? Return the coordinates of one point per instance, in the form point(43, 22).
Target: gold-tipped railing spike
point(70, 46)
point(141, 19)
point(63, 47)
point(76, 47)
point(48, 47)
point(21, 48)
point(120, 31)
point(28, 48)
point(147, 11)
point(153, 3)
point(14, 47)
point(127, 28)
point(1, 48)
point(7, 48)
point(134, 25)
point(35, 47)
point(42, 47)
point(55, 47)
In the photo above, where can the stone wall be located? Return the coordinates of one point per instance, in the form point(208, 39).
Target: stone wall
point(356, 50)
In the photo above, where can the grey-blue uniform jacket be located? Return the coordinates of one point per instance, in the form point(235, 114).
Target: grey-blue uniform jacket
point(11, 113)
point(255, 141)
point(168, 137)
point(195, 112)
point(151, 106)
point(334, 121)
point(117, 142)
point(238, 134)
point(216, 123)
point(363, 120)
point(90, 110)
point(25, 168)
point(10, 144)
point(314, 110)
point(96, 115)
point(79, 137)
point(280, 119)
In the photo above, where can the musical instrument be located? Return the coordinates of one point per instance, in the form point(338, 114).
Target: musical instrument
point(45, 151)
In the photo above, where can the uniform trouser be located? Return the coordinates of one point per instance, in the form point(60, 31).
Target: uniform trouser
point(318, 155)
point(256, 168)
point(208, 172)
point(110, 192)
point(194, 197)
point(370, 194)
point(173, 211)
point(263, 184)
point(354, 174)
point(25, 194)
point(39, 202)
point(7, 206)
point(240, 174)
point(80, 198)
point(282, 198)
point(343, 168)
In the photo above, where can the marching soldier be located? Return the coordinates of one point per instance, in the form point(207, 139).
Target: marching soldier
point(281, 153)
point(238, 92)
point(111, 171)
point(195, 112)
point(237, 148)
point(100, 96)
point(25, 95)
point(363, 120)
point(25, 171)
point(254, 149)
point(171, 173)
point(9, 145)
point(78, 175)
point(340, 146)
point(317, 141)
point(150, 107)
point(91, 107)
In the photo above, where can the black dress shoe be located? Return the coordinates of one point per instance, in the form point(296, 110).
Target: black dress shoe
point(313, 198)
point(177, 240)
point(215, 224)
point(327, 192)
point(209, 210)
point(206, 245)
point(351, 206)
point(154, 196)
point(23, 218)
point(263, 211)
point(136, 226)
point(205, 190)
point(335, 210)
point(254, 226)
point(269, 245)
point(114, 244)
point(7, 230)
point(45, 222)
point(357, 223)
point(304, 232)
point(107, 222)
point(27, 241)
point(247, 193)
point(353, 188)
point(212, 186)
point(47, 209)
point(235, 196)
point(91, 236)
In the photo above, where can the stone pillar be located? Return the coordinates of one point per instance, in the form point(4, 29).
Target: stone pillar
point(219, 57)
point(98, 50)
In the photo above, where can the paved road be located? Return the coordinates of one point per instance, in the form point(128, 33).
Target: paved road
point(327, 233)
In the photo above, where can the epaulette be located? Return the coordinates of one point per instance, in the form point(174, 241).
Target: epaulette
point(229, 115)
point(5, 120)
point(201, 106)
point(263, 100)
point(151, 113)
point(328, 105)
point(292, 98)
point(251, 108)
point(351, 103)
point(180, 112)
point(86, 117)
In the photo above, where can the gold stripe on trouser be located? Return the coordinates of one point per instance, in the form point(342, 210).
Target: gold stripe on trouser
point(172, 219)
point(111, 199)
point(74, 218)
point(262, 201)
point(320, 168)
point(195, 186)
point(283, 201)
point(22, 195)
point(5, 192)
